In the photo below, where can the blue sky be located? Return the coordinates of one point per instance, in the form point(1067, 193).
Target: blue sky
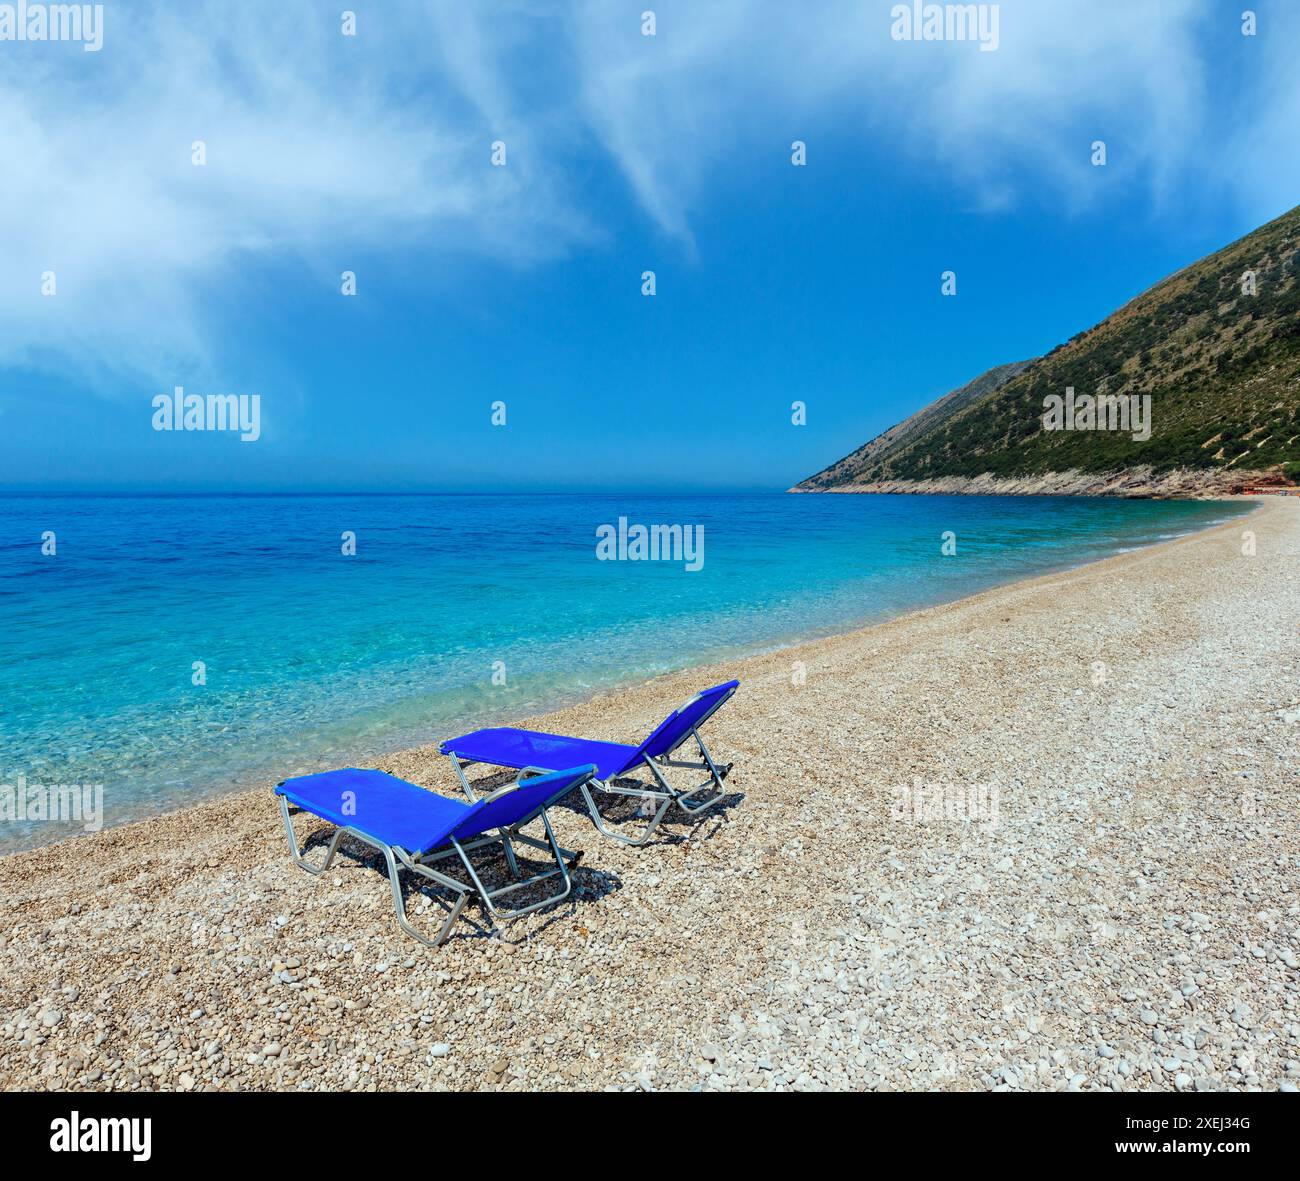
point(624, 153)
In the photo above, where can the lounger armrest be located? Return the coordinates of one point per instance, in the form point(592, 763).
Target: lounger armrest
point(525, 772)
point(521, 780)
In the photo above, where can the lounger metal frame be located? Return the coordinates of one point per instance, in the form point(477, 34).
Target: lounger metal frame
point(398, 858)
point(666, 794)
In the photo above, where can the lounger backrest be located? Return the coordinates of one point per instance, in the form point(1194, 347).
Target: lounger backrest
point(676, 727)
point(525, 801)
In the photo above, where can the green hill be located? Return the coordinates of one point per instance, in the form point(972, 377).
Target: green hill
point(1221, 367)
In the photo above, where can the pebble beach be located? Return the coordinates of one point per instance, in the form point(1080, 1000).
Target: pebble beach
point(1044, 838)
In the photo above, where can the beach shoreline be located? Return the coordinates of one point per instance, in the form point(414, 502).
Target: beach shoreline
point(369, 752)
point(822, 928)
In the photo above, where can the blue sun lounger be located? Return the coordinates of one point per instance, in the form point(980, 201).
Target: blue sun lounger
point(412, 827)
point(531, 751)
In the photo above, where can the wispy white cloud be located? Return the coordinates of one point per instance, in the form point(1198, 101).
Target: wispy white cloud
point(318, 147)
point(321, 147)
point(997, 123)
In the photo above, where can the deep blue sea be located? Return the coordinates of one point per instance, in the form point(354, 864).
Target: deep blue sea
point(313, 658)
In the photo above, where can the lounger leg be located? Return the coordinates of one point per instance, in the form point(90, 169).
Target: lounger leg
point(473, 877)
point(460, 774)
point(298, 857)
point(399, 904)
point(561, 869)
point(594, 812)
point(394, 878)
point(510, 855)
point(570, 855)
point(714, 783)
point(668, 794)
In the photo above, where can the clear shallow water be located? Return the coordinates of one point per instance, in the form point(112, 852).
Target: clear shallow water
point(316, 660)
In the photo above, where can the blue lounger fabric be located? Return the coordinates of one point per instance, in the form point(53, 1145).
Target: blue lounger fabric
point(404, 815)
point(505, 747)
point(530, 748)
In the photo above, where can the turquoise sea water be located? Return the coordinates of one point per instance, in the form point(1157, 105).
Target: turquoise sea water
point(316, 659)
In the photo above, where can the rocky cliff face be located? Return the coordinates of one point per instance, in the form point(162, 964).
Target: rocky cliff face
point(1211, 355)
point(873, 456)
point(1140, 482)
